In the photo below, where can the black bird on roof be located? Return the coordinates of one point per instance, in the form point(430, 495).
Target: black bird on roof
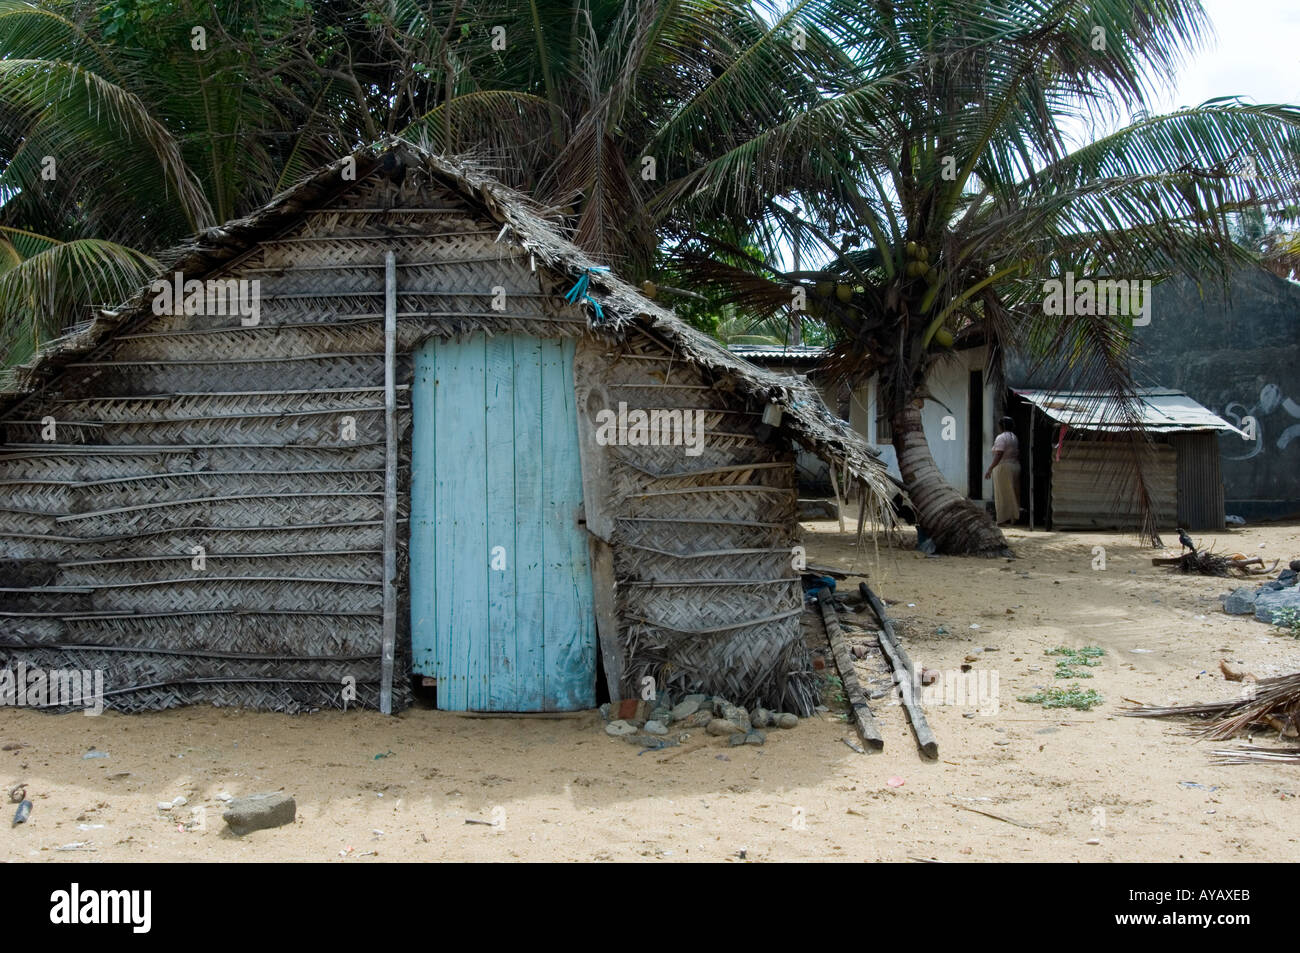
point(1186, 540)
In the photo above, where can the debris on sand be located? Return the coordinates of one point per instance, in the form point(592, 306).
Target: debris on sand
point(1266, 703)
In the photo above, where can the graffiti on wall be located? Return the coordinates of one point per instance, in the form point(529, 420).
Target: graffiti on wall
point(1250, 420)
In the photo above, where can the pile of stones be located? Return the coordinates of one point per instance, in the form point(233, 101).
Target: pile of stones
point(1264, 601)
point(661, 723)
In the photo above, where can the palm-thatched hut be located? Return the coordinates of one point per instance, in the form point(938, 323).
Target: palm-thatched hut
point(405, 460)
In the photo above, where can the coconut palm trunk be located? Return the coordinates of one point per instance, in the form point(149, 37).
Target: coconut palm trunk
point(956, 524)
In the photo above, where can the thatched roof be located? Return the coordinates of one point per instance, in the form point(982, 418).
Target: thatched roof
point(804, 414)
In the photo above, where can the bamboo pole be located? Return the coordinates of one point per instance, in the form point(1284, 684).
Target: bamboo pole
point(904, 674)
point(863, 719)
point(390, 484)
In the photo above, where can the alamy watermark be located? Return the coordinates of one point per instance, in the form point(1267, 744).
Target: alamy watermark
point(651, 428)
point(1101, 296)
point(976, 689)
point(25, 687)
point(216, 296)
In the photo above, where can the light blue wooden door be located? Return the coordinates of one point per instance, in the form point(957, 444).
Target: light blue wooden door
point(500, 584)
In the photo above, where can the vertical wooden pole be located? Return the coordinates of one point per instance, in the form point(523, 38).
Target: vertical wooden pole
point(390, 484)
point(1029, 461)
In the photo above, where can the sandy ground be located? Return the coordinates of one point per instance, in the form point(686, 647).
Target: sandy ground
point(371, 789)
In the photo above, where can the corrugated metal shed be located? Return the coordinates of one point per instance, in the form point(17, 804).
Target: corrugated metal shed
point(1092, 483)
point(1093, 487)
point(1164, 410)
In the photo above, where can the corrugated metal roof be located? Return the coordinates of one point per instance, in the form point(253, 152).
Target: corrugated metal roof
point(778, 352)
point(1163, 410)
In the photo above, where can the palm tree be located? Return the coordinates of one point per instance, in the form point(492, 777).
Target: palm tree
point(966, 195)
point(639, 121)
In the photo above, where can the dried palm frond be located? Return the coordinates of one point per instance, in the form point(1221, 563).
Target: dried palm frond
point(1270, 702)
point(1252, 754)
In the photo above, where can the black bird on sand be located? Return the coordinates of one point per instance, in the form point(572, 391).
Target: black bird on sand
point(1186, 540)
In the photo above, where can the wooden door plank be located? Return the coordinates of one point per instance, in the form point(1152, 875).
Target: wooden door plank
point(462, 518)
point(569, 632)
point(500, 693)
point(530, 501)
point(423, 544)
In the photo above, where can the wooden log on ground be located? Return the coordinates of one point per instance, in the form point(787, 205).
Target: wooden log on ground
point(904, 674)
point(863, 719)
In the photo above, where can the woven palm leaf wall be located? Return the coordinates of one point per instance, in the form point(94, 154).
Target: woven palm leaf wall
point(188, 431)
point(707, 596)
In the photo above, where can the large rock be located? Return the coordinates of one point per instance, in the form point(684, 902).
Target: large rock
point(1268, 602)
point(258, 812)
point(1240, 602)
point(787, 720)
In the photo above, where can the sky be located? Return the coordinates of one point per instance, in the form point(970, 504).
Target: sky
point(1255, 53)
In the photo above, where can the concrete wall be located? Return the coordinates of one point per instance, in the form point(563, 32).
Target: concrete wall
point(1240, 358)
point(949, 399)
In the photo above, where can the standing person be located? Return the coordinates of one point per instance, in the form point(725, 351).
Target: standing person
point(1005, 471)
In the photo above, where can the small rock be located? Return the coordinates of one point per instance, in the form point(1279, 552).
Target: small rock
point(700, 719)
point(859, 651)
point(1094, 841)
point(92, 753)
point(618, 727)
point(165, 805)
point(720, 727)
point(604, 712)
point(760, 718)
point(787, 720)
point(1002, 741)
point(698, 699)
point(260, 812)
point(655, 728)
point(737, 740)
point(684, 709)
point(737, 715)
point(754, 738)
point(650, 741)
point(662, 715)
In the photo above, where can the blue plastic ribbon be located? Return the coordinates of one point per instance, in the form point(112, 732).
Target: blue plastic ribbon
point(581, 292)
